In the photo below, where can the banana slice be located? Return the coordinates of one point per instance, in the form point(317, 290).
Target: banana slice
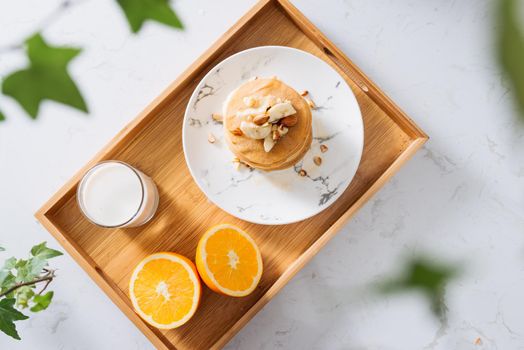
point(280, 110)
point(253, 131)
point(269, 143)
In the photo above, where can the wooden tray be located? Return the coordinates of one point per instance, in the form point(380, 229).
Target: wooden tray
point(152, 142)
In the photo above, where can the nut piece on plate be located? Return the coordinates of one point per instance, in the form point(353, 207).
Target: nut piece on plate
point(304, 93)
point(236, 163)
point(317, 160)
point(302, 173)
point(323, 148)
point(217, 117)
point(211, 138)
point(310, 102)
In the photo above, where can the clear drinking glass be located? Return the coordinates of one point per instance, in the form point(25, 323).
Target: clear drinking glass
point(114, 194)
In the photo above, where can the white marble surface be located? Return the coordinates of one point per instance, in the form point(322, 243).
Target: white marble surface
point(460, 198)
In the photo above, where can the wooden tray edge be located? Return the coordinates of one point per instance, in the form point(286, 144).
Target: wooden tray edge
point(97, 275)
point(321, 242)
point(62, 194)
point(352, 70)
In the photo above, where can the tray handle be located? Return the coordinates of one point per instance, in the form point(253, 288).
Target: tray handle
point(347, 70)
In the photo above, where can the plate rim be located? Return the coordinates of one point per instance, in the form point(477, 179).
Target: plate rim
point(195, 93)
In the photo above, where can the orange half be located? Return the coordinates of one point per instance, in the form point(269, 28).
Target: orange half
point(165, 290)
point(229, 261)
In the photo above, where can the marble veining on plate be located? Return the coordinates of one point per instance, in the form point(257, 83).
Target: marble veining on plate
point(283, 196)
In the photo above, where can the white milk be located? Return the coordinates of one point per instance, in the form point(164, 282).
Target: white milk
point(114, 194)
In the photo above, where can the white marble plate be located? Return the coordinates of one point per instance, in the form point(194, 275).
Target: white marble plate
point(278, 197)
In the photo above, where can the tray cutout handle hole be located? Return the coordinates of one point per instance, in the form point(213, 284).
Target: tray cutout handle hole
point(345, 69)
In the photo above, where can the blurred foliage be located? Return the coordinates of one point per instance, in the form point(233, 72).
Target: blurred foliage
point(138, 11)
point(424, 276)
point(46, 78)
point(41, 302)
point(511, 46)
point(18, 281)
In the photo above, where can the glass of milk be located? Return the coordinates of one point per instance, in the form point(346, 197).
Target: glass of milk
point(114, 194)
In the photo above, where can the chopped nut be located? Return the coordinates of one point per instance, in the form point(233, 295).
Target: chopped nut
point(276, 135)
point(317, 160)
point(304, 93)
point(211, 138)
point(260, 119)
point(236, 163)
point(478, 341)
point(217, 117)
point(290, 120)
point(323, 148)
point(311, 104)
point(237, 132)
point(302, 173)
point(282, 130)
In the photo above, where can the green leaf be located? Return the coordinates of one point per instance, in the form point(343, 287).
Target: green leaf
point(22, 271)
point(7, 280)
point(424, 276)
point(23, 295)
point(46, 78)
point(35, 266)
point(28, 270)
point(43, 252)
point(42, 301)
point(138, 11)
point(8, 314)
point(10, 263)
point(2, 118)
point(1, 248)
point(511, 48)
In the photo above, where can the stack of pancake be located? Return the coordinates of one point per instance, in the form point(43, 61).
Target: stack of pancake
point(290, 148)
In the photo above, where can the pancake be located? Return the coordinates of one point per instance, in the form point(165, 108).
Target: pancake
point(290, 148)
point(286, 165)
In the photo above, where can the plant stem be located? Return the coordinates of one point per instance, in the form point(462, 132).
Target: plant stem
point(48, 277)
